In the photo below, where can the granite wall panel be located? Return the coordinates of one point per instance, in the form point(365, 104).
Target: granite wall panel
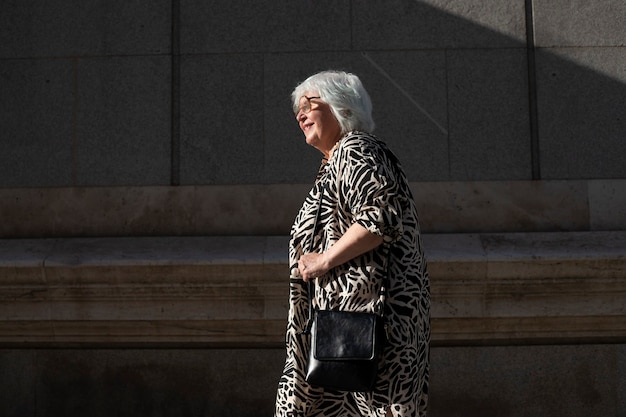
point(36, 122)
point(438, 24)
point(489, 119)
point(565, 380)
point(411, 108)
point(123, 126)
point(140, 382)
point(579, 23)
point(581, 99)
point(453, 85)
point(514, 381)
point(39, 28)
point(226, 26)
point(607, 204)
point(221, 103)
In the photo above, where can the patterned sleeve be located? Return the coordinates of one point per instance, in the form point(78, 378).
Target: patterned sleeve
point(371, 189)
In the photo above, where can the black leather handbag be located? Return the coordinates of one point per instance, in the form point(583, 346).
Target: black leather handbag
point(344, 352)
point(345, 346)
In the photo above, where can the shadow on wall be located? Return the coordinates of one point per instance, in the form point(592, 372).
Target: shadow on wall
point(95, 97)
point(139, 382)
point(458, 101)
point(106, 102)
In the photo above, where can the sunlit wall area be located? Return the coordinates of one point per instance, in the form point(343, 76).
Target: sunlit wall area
point(197, 93)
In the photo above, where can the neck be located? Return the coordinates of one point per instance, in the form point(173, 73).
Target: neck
point(332, 150)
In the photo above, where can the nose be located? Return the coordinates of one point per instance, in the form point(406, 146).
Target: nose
point(300, 115)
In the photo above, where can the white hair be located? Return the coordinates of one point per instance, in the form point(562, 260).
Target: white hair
point(345, 95)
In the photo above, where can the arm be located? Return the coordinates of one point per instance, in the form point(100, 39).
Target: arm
point(356, 241)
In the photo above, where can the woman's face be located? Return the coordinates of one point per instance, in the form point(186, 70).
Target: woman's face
point(318, 123)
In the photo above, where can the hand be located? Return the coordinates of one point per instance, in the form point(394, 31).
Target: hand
point(312, 265)
point(356, 241)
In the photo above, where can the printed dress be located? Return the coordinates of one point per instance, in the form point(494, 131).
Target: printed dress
point(362, 182)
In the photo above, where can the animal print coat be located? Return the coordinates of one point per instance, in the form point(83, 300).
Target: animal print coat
point(363, 183)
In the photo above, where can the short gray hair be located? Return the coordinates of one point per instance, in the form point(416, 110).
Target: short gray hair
point(346, 96)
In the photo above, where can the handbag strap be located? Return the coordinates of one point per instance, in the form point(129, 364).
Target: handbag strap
point(311, 283)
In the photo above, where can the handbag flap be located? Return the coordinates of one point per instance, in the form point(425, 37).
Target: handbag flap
point(341, 335)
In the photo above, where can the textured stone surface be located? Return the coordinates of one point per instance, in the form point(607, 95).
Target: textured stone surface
point(607, 204)
point(488, 110)
point(581, 112)
point(221, 131)
point(231, 291)
point(412, 108)
point(100, 121)
point(36, 126)
point(123, 126)
point(449, 81)
point(515, 381)
point(235, 27)
point(157, 320)
point(39, 28)
point(165, 382)
point(508, 206)
point(150, 211)
point(438, 24)
point(530, 381)
point(252, 210)
point(579, 23)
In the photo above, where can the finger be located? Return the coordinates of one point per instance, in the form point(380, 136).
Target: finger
point(301, 266)
point(306, 277)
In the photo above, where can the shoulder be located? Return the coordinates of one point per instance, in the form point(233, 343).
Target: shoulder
point(366, 148)
point(356, 138)
point(362, 142)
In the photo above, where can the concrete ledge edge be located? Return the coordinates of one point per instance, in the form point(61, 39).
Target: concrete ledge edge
point(491, 288)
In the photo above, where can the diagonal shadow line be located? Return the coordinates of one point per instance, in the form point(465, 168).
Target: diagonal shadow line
point(403, 92)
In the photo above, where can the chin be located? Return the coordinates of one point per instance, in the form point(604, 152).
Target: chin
point(312, 140)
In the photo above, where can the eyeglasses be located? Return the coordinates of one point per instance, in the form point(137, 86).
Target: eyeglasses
point(306, 106)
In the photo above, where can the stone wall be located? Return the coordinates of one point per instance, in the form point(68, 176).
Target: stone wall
point(467, 381)
point(497, 288)
point(194, 93)
point(523, 324)
point(150, 168)
point(269, 210)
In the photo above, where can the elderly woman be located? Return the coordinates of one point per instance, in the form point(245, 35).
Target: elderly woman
point(367, 225)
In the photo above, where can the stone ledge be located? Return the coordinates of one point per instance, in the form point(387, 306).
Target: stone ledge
point(232, 292)
point(219, 210)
